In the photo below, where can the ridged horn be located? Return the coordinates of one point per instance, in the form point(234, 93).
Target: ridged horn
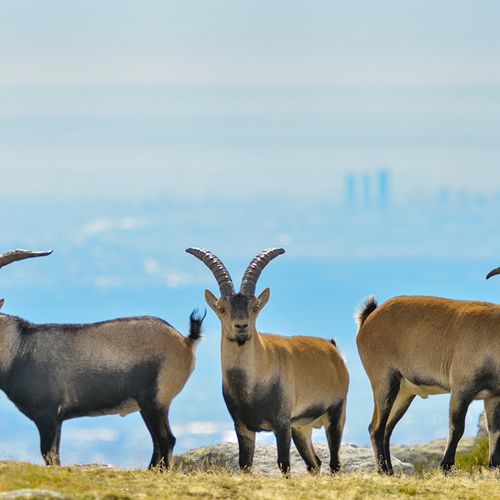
point(249, 281)
point(9, 257)
point(215, 265)
point(493, 273)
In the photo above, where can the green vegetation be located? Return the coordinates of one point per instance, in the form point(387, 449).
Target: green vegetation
point(472, 453)
point(110, 484)
point(478, 456)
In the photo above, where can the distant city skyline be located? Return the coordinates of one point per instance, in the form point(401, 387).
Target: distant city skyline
point(368, 189)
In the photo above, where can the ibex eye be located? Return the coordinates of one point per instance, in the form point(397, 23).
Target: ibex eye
point(221, 310)
point(255, 309)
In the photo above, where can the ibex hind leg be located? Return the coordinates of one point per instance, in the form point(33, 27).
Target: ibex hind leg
point(156, 420)
point(385, 394)
point(459, 404)
point(302, 439)
point(492, 408)
point(334, 430)
point(401, 405)
point(155, 458)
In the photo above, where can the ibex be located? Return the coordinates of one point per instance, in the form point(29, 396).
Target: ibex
point(287, 385)
point(55, 372)
point(421, 346)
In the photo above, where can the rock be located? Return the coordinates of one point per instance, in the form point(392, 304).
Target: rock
point(225, 456)
point(94, 466)
point(482, 430)
point(430, 454)
point(32, 494)
point(354, 458)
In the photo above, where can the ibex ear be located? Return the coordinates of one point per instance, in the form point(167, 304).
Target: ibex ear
point(211, 300)
point(1, 303)
point(263, 298)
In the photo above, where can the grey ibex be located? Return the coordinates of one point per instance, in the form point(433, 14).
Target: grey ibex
point(56, 372)
point(421, 346)
point(287, 385)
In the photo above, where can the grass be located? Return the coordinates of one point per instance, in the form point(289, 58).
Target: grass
point(113, 484)
point(470, 455)
point(477, 457)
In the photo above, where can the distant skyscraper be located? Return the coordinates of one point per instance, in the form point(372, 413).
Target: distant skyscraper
point(366, 190)
point(383, 188)
point(350, 189)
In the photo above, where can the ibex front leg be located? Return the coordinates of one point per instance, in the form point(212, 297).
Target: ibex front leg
point(283, 433)
point(49, 429)
point(246, 444)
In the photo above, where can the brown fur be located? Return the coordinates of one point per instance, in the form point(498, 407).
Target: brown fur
point(424, 346)
point(274, 383)
point(310, 370)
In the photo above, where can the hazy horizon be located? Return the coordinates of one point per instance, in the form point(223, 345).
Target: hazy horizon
point(363, 138)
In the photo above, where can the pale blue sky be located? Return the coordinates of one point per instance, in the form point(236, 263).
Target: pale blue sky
point(131, 130)
point(292, 42)
point(321, 86)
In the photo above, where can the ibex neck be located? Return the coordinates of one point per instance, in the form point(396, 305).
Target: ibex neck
point(240, 356)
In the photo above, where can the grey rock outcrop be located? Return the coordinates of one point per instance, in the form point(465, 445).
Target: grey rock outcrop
point(429, 455)
point(225, 456)
point(34, 494)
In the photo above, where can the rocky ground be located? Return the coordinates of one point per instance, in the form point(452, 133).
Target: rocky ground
point(23, 481)
point(225, 456)
point(430, 454)
point(353, 458)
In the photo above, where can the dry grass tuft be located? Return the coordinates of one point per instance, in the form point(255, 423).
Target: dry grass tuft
point(125, 484)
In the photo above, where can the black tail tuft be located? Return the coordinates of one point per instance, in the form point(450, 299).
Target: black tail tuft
point(195, 324)
point(365, 309)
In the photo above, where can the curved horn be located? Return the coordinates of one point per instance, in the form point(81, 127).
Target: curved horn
point(249, 281)
point(9, 257)
point(217, 267)
point(493, 273)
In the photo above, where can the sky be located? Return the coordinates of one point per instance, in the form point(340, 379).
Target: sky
point(132, 130)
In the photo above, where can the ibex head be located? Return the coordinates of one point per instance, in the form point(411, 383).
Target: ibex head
point(9, 257)
point(237, 311)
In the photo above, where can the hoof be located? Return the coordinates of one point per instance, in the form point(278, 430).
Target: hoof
point(335, 468)
point(446, 467)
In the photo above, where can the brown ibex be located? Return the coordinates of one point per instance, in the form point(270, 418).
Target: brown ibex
point(287, 385)
point(421, 346)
